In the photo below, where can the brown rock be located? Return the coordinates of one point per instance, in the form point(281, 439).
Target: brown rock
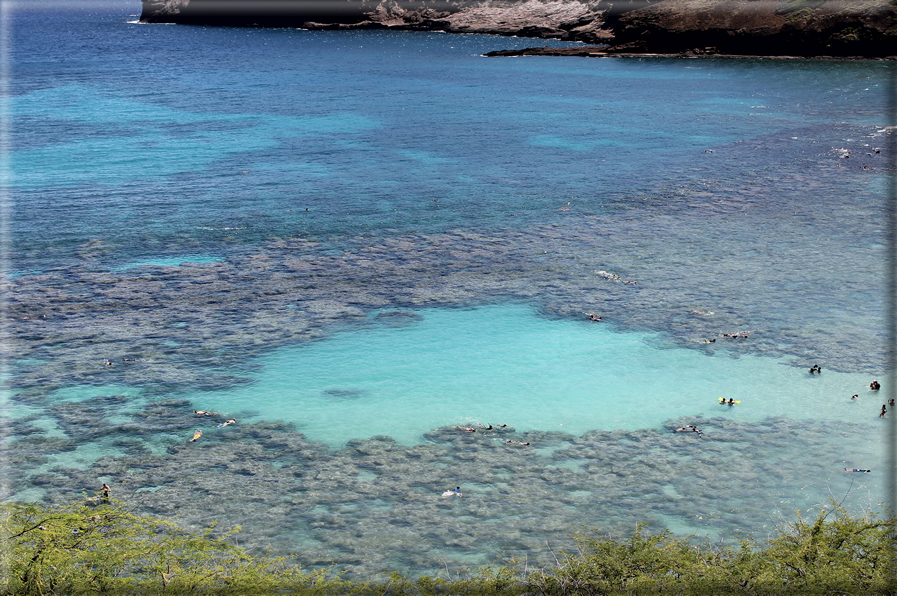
point(864, 28)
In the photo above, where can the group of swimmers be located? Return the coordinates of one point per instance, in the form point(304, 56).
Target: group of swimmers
point(498, 427)
point(875, 386)
point(198, 433)
point(107, 362)
point(470, 429)
point(740, 334)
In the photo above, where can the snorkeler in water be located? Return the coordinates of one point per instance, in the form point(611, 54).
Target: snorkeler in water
point(227, 422)
point(690, 428)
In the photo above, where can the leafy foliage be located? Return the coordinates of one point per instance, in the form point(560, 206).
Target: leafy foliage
point(97, 547)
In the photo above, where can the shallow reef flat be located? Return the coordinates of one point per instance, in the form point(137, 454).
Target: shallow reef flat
point(692, 264)
point(197, 326)
point(374, 506)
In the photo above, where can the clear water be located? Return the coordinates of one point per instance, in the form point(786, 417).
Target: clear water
point(505, 365)
point(354, 242)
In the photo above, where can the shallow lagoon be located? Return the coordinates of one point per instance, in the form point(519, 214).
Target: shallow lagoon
point(404, 373)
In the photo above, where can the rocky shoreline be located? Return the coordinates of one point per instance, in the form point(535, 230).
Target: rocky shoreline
point(761, 28)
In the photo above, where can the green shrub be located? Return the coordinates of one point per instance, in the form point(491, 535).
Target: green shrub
point(100, 548)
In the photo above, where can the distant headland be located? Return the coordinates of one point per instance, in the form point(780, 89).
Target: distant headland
point(799, 28)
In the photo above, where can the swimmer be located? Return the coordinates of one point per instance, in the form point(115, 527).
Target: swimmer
point(857, 470)
point(731, 402)
point(815, 369)
point(594, 317)
point(709, 341)
point(467, 429)
point(690, 428)
point(452, 492)
point(226, 422)
point(884, 410)
point(484, 426)
point(891, 402)
point(874, 386)
point(196, 435)
point(204, 413)
point(854, 396)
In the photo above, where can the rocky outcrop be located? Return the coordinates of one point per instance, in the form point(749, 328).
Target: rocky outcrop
point(577, 20)
point(865, 28)
point(862, 28)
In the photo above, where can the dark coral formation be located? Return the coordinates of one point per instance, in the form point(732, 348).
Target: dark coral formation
point(374, 506)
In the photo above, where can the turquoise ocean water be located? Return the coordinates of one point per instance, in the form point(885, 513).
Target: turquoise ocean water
point(355, 242)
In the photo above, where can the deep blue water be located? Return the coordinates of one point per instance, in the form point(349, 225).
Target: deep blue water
point(224, 213)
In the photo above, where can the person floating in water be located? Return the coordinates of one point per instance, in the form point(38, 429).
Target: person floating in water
point(456, 492)
point(227, 422)
point(854, 396)
point(196, 435)
point(857, 470)
point(466, 429)
point(884, 410)
point(874, 386)
point(205, 413)
point(594, 317)
point(510, 442)
point(690, 428)
point(815, 369)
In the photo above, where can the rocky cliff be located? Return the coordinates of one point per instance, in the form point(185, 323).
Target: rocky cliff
point(575, 20)
point(863, 28)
